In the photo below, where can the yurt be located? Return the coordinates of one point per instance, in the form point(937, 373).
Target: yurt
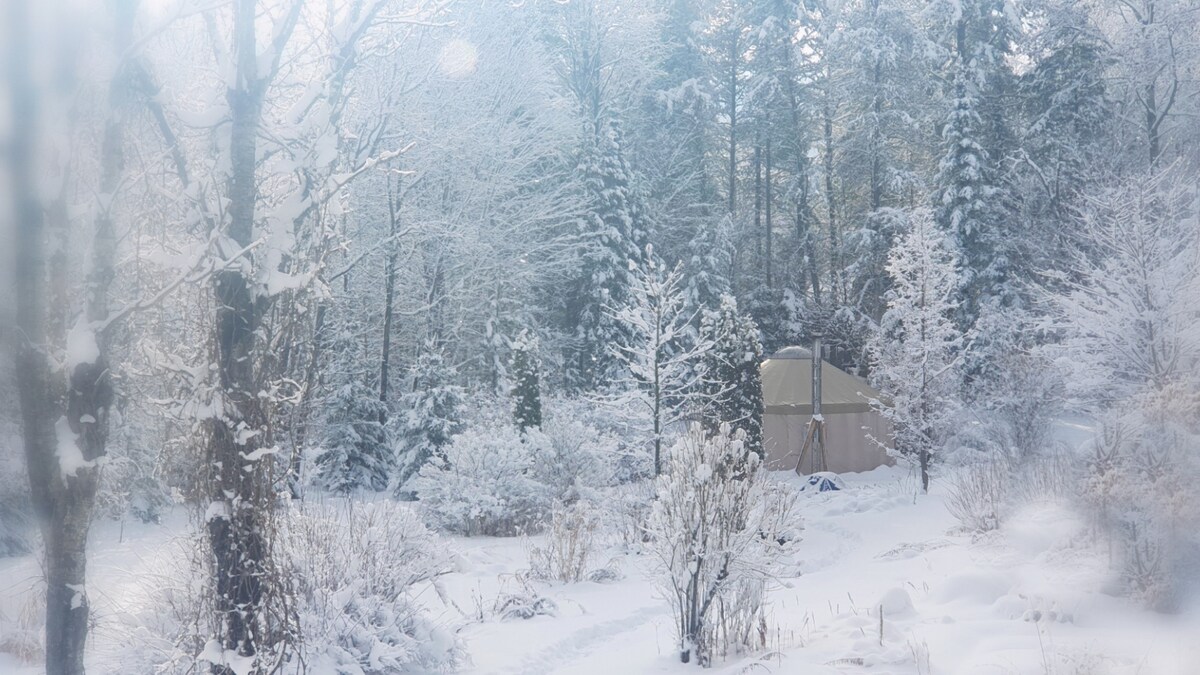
point(850, 426)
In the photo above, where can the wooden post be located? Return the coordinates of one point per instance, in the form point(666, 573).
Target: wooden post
point(818, 421)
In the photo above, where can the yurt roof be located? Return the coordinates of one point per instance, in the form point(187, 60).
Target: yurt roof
point(787, 386)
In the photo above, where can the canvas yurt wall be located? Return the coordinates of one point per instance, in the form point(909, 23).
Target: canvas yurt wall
point(850, 423)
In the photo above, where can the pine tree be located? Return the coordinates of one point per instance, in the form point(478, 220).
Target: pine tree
point(732, 380)
point(708, 267)
point(526, 391)
point(913, 357)
point(432, 414)
point(966, 207)
point(355, 452)
point(974, 203)
point(615, 229)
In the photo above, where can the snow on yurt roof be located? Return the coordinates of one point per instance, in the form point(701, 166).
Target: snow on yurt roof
point(787, 386)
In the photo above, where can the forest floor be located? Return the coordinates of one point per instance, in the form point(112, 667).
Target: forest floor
point(1027, 598)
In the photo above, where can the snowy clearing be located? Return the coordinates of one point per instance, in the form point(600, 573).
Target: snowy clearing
point(1025, 599)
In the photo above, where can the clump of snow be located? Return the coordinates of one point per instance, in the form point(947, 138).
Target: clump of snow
point(70, 456)
point(81, 347)
point(978, 587)
point(896, 602)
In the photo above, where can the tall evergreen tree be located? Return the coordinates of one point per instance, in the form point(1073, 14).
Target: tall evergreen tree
point(1065, 145)
point(732, 380)
point(614, 230)
point(526, 391)
point(973, 204)
point(966, 207)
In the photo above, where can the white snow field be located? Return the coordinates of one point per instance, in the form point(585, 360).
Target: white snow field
point(1025, 599)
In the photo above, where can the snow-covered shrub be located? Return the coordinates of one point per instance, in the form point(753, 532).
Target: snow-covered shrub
point(1140, 486)
point(494, 480)
point(719, 530)
point(161, 623)
point(130, 485)
point(23, 634)
point(570, 541)
point(977, 496)
point(523, 601)
point(619, 426)
point(485, 484)
point(356, 570)
point(982, 494)
point(574, 460)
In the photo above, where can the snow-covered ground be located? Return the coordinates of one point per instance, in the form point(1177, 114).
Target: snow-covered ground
point(1025, 599)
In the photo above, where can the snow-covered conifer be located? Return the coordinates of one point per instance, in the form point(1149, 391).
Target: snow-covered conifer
point(614, 231)
point(527, 389)
point(731, 378)
point(431, 413)
point(355, 451)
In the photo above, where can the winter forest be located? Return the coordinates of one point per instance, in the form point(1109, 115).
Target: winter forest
point(359, 337)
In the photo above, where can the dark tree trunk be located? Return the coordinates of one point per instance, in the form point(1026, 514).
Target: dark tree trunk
point(63, 493)
point(767, 225)
point(385, 358)
point(237, 485)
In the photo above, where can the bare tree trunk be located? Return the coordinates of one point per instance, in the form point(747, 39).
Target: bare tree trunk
point(63, 493)
point(385, 358)
point(767, 232)
point(237, 486)
point(835, 260)
point(757, 199)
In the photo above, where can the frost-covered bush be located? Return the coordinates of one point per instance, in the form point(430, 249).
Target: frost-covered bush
point(977, 496)
point(1140, 488)
point(494, 480)
point(485, 483)
point(619, 426)
point(719, 531)
point(566, 553)
point(356, 570)
point(574, 460)
point(982, 494)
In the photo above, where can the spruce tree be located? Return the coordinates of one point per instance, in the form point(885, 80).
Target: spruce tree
point(355, 451)
point(432, 413)
point(614, 231)
point(526, 391)
point(732, 380)
point(966, 207)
